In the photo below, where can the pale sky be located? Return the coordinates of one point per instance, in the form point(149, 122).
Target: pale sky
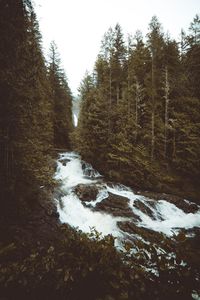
point(77, 26)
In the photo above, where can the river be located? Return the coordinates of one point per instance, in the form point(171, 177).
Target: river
point(158, 215)
point(157, 229)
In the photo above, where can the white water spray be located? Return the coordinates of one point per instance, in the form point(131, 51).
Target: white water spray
point(71, 171)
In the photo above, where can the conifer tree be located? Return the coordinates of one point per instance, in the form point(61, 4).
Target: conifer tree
point(155, 44)
point(192, 57)
point(140, 116)
point(25, 114)
point(62, 100)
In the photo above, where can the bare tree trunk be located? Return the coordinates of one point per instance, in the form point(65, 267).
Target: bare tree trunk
point(136, 108)
point(167, 88)
point(129, 77)
point(7, 156)
point(153, 110)
point(110, 88)
point(117, 94)
point(152, 134)
point(138, 104)
point(110, 99)
point(174, 145)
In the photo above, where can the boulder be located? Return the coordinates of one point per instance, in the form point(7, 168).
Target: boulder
point(89, 172)
point(86, 192)
point(64, 161)
point(145, 233)
point(117, 206)
point(144, 208)
point(186, 206)
point(189, 207)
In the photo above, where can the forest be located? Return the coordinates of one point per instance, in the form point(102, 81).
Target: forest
point(140, 110)
point(138, 125)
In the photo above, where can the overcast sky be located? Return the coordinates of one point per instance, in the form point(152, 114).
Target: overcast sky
point(77, 26)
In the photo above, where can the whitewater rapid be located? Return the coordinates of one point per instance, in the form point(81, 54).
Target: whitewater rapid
point(71, 171)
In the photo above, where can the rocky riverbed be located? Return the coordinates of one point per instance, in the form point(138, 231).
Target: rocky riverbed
point(86, 201)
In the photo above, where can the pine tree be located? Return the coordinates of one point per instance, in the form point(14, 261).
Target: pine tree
point(136, 121)
point(62, 101)
point(138, 68)
point(26, 123)
point(155, 44)
point(172, 88)
point(192, 57)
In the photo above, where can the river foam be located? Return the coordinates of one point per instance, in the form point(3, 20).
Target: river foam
point(71, 171)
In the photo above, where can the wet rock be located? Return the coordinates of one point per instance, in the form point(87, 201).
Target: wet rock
point(58, 194)
point(193, 208)
point(117, 206)
point(186, 206)
point(64, 161)
point(89, 172)
point(144, 208)
point(118, 185)
point(86, 192)
point(145, 233)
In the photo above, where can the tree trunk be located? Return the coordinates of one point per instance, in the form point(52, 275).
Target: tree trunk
point(167, 88)
point(117, 94)
point(153, 110)
point(136, 109)
point(152, 134)
point(174, 145)
point(110, 100)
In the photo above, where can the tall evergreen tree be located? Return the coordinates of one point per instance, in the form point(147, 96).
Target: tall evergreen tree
point(62, 101)
point(25, 109)
point(155, 44)
point(142, 97)
point(192, 57)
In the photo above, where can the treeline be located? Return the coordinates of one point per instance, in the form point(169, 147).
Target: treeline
point(35, 104)
point(140, 111)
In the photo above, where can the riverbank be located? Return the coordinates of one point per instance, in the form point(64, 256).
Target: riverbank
point(40, 258)
point(161, 181)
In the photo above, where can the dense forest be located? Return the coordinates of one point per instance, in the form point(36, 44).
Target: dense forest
point(140, 111)
point(35, 106)
point(139, 124)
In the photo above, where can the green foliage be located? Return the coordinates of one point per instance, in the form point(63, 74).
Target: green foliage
point(73, 267)
point(87, 266)
point(25, 107)
point(140, 116)
point(30, 117)
point(61, 99)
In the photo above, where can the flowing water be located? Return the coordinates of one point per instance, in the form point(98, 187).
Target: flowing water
point(152, 227)
point(159, 215)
